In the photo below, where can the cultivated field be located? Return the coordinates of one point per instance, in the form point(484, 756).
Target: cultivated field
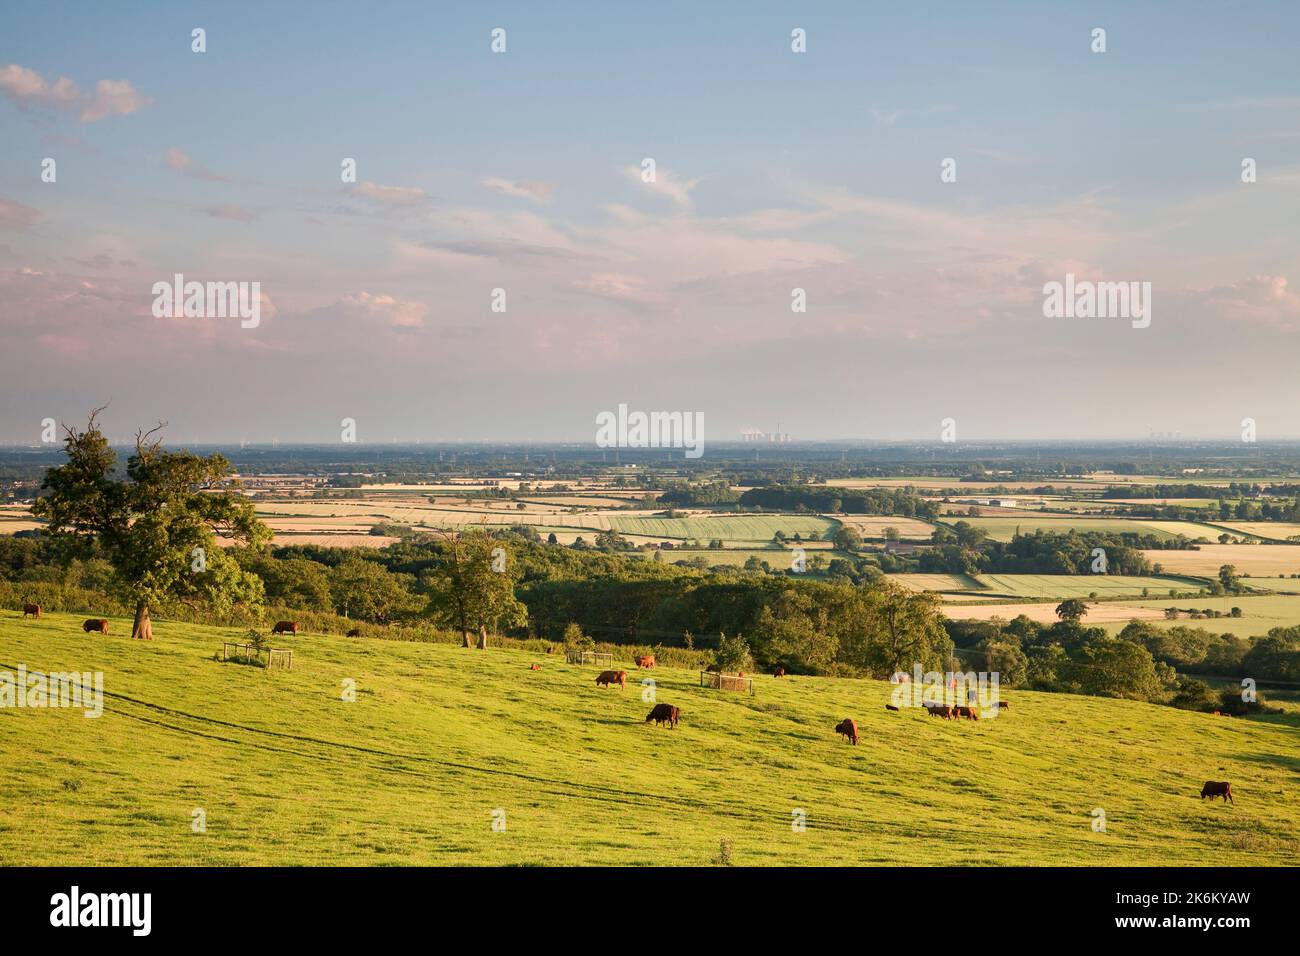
point(1257, 560)
point(1260, 614)
point(747, 528)
point(441, 741)
point(779, 558)
point(1003, 529)
point(1045, 585)
point(1046, 613)
point(1271, 530)
point(873, 526)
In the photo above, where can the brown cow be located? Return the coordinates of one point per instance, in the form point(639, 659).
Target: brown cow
point(849, 728)
point(939, 710)
point(535, 667)
point(608, 678)
point(779, 672)
point(664, 714)
point(355, 632)
point(33, 609)
point(644, 660)
point(1213, 789)
point(96, 624)
point(1004, 705)
point(285, 627)
point(970, 713)
point(713, 669)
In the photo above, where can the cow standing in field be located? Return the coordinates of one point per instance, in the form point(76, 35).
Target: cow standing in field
point(33, 609)
point(285, 627)
point(940, 710)
point(355, 632)
point(644, 660)
point(970, 713)
point(1219, 789)
point(664, 714)
point(97, 624)
point(779, 672)
point(609, 678)
point(849, 728)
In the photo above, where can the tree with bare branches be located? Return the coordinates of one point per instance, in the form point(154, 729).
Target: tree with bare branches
point(157, 525)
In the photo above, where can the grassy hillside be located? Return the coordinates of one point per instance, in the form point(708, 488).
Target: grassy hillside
point(439, 737)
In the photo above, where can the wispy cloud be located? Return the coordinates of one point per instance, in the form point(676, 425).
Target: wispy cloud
point(390, 195)
point(183, 163)
point(15, 216)
point(230, 211)
point(890, 117)
point(27, 89)
point(535, 190)
point(665, 183)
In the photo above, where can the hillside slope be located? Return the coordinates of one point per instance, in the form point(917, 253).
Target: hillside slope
point(438, 738)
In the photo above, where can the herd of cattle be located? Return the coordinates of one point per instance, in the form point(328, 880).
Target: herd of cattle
point(666, 714)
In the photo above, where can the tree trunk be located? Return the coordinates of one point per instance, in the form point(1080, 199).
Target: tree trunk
point(482, 637)
point(143, 627)
point(464, 638)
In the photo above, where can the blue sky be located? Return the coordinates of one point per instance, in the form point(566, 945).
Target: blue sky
point(775, 170)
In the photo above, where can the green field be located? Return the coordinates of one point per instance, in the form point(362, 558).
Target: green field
point(1282, 585)
point(1003, 529)
point(779, 558)
point(747, 528)
point(937, 582)
point(1259, 613)
point(1082, 585)
point(439, 739)
point(1046, 585)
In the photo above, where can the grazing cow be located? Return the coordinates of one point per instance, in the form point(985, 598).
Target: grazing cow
point(645, 660)
point(33, 609)
point(713, 669)
point(285, 627)
point(1004, 705)
point(779, 672)
point(608, 678)
point(664, 714)
point(96, 624)
point(1213, 789)
point(535, 667)
point(355, 632)
point(970, 713)
point(849, 728)
point(890, 707)
point(939, 710)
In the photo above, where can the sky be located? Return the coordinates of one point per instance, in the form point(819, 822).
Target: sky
point(774, 170)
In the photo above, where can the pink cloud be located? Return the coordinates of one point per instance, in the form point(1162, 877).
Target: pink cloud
point(183, 163)
point(28, 88)
point(230, 211)
point(1261, 299)
point(16, 216)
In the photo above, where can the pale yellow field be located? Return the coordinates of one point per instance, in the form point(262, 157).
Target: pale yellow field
point(1098, 613)
point(1273, 530)
point(873, 526)
point(1262, 560)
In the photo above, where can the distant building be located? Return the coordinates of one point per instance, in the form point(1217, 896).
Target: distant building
point(777, 437)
